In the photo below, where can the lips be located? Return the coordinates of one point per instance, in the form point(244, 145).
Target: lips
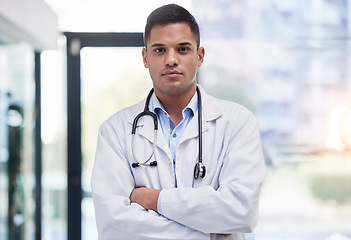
point(171, 73)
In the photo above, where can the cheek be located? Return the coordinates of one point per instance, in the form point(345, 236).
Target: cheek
point(152, 63)
point(152, 70)
point(194, 65)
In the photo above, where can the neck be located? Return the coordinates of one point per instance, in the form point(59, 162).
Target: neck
point(174, 104)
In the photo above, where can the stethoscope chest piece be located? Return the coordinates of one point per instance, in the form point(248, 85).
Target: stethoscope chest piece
point(199, 170)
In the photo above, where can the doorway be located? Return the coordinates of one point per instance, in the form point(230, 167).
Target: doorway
point(105, 73)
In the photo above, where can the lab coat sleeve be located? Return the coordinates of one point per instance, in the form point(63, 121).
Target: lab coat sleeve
point(233, 207)
point(112, 183)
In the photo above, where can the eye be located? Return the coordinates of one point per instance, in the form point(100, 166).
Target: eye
point(183, 49)
point(159, 50)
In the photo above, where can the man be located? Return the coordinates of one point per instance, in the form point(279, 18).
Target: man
point(163, 200)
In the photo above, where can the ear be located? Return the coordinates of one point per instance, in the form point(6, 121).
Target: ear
point(144, 53)
point(200, 56)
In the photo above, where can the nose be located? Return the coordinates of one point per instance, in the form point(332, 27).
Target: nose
point(171, 58)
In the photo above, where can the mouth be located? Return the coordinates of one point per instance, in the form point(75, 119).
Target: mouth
point(171, 73)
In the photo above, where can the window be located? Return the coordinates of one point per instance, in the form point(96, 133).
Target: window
point(17, 144)
point(292, 71)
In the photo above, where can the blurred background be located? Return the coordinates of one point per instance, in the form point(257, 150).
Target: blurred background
point(66, 66)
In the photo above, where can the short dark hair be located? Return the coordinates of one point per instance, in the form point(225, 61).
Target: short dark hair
point(171, 13)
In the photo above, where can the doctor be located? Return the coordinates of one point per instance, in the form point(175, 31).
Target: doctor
point(166, 201)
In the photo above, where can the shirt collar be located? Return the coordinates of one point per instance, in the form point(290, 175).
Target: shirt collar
point(192, 105)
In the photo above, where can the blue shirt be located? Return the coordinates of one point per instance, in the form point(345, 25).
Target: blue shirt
point(171, 132)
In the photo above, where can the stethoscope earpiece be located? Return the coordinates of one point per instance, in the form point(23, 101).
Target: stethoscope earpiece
point(134, 165)
point(152, 164)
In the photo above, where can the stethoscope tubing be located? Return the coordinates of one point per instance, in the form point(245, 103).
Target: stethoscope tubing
point(135, 122)
point(146, 163)
point(199, 169)
point(199, 112)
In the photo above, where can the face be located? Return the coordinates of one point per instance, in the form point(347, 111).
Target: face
point(172, 57)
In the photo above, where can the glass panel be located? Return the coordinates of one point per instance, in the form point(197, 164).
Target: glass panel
point(112, 78)
point(54, 148)
point(17, 122)
point(109, 15)
point(293, 71)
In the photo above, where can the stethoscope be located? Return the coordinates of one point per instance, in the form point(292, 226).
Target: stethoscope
point(200, 169)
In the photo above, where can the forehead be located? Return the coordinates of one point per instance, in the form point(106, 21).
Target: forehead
point(173, 33)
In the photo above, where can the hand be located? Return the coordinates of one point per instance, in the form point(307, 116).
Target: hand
point(146, 197)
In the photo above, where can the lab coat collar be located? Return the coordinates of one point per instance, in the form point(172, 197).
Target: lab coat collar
point(210, 108)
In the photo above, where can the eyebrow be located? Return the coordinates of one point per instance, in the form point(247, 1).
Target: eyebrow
point(157, 45)
point(162, 45)
point(184, 44)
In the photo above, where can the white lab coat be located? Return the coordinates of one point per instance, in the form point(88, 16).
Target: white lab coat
point(222, 205)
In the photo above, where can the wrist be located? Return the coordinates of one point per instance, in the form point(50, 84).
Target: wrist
point(154, 199)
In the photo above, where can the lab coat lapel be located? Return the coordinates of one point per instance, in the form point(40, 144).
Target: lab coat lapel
point(210, 112)
point(191, 130)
